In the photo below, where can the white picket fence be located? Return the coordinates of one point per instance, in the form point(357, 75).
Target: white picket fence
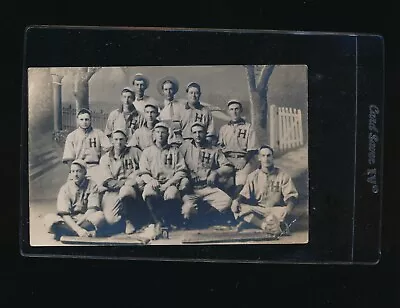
point(286, 128)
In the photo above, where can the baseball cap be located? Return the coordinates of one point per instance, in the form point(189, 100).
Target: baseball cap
point(80, 162)
point(234, 101)
point(161, 124)
point(198, 124)
point(118, 130)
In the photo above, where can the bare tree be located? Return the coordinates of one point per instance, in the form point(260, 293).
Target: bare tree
point(258, 89)
point(82, 77)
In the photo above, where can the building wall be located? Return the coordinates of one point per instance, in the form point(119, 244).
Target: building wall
point(40, 102)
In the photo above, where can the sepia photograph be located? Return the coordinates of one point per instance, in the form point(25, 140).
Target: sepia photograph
point(168, 155)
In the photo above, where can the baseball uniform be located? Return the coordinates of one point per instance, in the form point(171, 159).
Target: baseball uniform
point(198, 113)
point(128, 122)
point(123, 168)
point(200, 162)
point(267, 193)
point(162, 164)
point(236, 140)
point(142, 137)
point(75, 201)
point(87, 145)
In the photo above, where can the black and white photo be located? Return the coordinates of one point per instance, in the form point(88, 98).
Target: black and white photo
point(168, 155)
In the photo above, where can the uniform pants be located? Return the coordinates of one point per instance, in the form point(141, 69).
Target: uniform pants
point(116, 205)
point(213, 196)
point(55, 223)
point(247, 212)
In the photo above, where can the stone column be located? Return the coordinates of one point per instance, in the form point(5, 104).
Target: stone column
point(57, 101)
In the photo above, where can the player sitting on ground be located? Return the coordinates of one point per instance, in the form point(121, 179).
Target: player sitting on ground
point(78, 209)
point(143, 136)
point(267, 198)
point(120, 170)
point(205, 163)
point(238, 142)
point(162, 168)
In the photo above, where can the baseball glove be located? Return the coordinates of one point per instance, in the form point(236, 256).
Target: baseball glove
point(271, 225)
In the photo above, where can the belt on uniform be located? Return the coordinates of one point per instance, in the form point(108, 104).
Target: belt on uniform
point(200, 184)
point(92, 163)
point(235, 155)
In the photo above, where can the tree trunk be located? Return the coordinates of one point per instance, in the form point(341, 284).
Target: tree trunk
point(81, 93)
point(257, 105)
point(81, 86)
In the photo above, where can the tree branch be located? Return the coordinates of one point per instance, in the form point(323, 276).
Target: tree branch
point(251, 78)
point(264, 77)
point(90, 72)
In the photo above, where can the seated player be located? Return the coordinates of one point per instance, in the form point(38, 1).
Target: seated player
point(238, 142)
point(205, 163)
point(78, 209)
point(86, 143)
point(162, 168)
point(267, 198)
point(120, 178)
point(143, 136)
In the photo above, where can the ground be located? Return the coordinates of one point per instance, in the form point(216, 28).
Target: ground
point(43, 192)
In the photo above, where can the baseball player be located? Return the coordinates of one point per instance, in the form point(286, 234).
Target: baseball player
point(86, 143)
point(78, 208)
point(173, 108)
point(143, 136)
point(140, 84)
point(267, 198)
point(162, 168)
point(238, 142)
point(126, 118)
point(205, 163)
point(120, 178)
point(194, 111)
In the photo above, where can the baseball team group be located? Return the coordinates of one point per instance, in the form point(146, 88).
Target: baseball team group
point(162, 165)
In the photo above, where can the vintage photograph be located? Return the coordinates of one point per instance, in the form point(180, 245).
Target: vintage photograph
point(168, 155)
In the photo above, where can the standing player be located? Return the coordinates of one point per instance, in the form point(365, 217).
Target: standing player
point(86, 143)
point(120, 178)
point(143, 136)
point(140, 85)
point(78, 208)
point(238, 142)
point(173, 108)
point(162, 168)
point(125, 118)
point(205, 163)
point(194, 111)
point(268, 196)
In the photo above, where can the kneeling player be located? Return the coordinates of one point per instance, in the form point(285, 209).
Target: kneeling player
point(119, 167)
point(78, 210)
point(162, 168)
point(267, 198)
point(205, 163)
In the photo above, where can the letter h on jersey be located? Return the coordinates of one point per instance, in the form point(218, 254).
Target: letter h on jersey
point(242, 133)
point(204, 157)
point(168, 159)
point(92, 142)
point(198, 118)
